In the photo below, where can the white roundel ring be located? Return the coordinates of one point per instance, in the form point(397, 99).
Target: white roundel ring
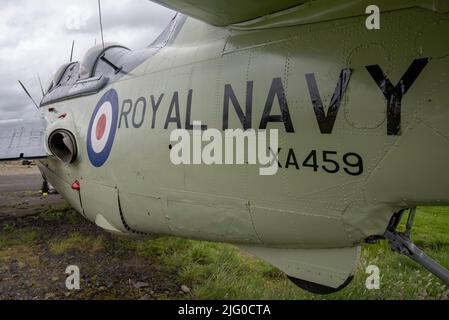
point(102, 129)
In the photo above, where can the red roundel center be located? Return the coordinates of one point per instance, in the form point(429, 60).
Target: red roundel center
point(101, 127)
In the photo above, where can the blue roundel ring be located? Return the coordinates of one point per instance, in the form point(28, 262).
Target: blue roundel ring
point(99, 159)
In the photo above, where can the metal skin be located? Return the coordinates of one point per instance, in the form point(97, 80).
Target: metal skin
point(318, 83)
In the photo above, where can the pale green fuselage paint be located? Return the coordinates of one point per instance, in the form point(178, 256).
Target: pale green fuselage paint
point(139, 190)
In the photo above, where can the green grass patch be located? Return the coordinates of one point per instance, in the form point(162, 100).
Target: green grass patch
point(76, 242)
point(65, 214)
point(10, 237)
point(23, 255)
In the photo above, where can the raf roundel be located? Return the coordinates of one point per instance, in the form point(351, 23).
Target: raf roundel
point(102, 129)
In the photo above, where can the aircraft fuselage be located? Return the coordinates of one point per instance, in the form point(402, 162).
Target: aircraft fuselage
point(363, 132)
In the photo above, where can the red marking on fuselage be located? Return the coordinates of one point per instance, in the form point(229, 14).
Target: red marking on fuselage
point(101, 127)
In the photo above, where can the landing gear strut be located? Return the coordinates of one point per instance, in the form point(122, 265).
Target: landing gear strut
point(400, 242)
point(45, 188)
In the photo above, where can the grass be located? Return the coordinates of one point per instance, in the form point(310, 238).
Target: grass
point(61, 213)
point(23, 255)
point(219, 271)
point(11, 237)
point(18, 245)
point(76, 242)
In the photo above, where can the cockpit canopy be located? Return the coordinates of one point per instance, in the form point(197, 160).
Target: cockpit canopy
point(91, 66)
point(98, 68)
point(102, 65)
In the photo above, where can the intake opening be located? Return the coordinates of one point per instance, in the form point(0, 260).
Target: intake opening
point(62, 145)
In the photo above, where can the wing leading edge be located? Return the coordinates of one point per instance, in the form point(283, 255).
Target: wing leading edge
point(22, 139)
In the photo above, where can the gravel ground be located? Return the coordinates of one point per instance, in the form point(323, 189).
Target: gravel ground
point(39, 238)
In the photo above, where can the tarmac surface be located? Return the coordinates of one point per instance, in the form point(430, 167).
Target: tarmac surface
point(20, 191)
point(20, 183)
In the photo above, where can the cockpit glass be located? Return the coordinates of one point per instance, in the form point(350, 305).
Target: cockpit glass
point(71, 75)
point(113, 55)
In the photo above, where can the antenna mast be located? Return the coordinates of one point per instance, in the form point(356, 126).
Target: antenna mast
point(71, 52)
point(101, 23)
point(28, 94)
point(40, 83)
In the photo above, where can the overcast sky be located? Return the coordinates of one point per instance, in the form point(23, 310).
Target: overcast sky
point(36, 37)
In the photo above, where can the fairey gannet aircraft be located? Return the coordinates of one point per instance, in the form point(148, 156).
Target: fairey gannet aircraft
point(362, 118)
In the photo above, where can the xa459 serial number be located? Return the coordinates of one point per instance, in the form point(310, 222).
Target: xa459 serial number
point(330, 162)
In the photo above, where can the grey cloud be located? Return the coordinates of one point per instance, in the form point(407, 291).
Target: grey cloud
point(135, 16)
point(36, 36)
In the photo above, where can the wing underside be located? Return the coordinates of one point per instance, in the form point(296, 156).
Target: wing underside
point(226, 12)
point(249, 14)
point(22, 139)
